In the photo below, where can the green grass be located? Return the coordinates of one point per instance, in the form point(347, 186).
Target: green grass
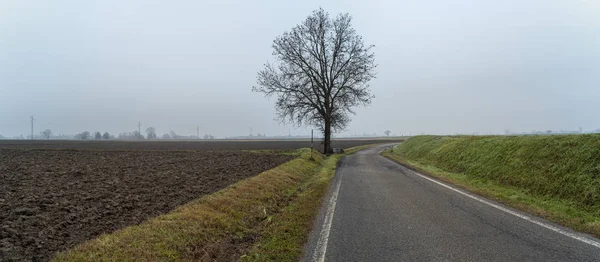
point(276, 151)
point(556, 177)
point(284, 236)
point(264, 217)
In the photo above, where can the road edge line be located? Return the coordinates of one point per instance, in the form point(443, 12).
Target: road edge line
point(506, 210)
point(321, 248)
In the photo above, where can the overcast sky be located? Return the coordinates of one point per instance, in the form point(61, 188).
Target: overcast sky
point(445, 66)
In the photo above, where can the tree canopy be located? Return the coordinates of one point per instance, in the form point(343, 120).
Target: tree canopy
point(322, 71)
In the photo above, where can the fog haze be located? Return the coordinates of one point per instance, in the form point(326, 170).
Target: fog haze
point(444, 67)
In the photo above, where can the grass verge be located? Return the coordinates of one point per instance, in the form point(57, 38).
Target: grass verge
point(266, 217)
point(284, 236)
point(549, 176)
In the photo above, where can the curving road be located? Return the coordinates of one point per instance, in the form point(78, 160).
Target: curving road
point(377, 210)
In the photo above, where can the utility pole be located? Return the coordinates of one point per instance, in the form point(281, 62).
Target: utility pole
point(311, 144)
point(198, 132)
point(140, 130)
point(32, 127)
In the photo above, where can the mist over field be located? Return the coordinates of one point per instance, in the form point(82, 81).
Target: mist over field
point(148, 130)
point(444, 67)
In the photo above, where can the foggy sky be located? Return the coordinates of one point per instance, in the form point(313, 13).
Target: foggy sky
point(445, 67)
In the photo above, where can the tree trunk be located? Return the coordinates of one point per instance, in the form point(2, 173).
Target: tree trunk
point(327, 134)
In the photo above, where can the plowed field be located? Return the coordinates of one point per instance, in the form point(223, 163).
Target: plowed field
point(291, 144)
point(53, 199)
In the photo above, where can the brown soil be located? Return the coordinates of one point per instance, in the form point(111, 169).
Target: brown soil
point(51, 199)
point(185, 145)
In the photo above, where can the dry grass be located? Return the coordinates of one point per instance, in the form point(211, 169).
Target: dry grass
point(215, 227)
point(284, 236)
point(266, 217)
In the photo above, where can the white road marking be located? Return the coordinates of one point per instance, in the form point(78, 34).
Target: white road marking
point(528, 218)
point(321, 248)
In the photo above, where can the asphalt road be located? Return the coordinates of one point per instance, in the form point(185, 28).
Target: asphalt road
point(378, 210)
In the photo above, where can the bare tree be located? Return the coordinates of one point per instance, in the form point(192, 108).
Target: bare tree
point(323, 71)
point(106, 135)
point(84, 135)
point(137, 135)
point(387, 132)
point(126, 136)
point(151, 133)
point(47, 133)
point(97, 135)
point(166, 136)
point(173, 135)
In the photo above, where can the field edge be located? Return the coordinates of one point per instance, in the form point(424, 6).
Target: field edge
point(234, 223)
point(285, 236)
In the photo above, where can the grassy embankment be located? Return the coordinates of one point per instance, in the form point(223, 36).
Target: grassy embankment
point(556, 177)
point(264, 218)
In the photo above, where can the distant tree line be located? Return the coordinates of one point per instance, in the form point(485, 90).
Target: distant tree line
point(172, 135)
point(85, 135)
point(151, 134)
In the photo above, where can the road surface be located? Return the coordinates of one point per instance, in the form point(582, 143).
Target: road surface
point(377, 210)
